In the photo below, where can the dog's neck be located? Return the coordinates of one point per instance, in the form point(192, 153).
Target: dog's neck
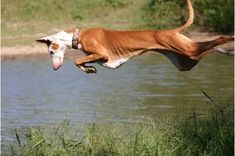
point(70, 38)
point(75, 39)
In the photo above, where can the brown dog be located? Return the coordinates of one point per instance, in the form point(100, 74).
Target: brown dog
point(112, 48)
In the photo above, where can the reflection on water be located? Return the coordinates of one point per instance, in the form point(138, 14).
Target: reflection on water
point(35, 95)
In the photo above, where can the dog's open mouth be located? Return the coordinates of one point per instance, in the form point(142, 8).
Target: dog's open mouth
point(57, 62)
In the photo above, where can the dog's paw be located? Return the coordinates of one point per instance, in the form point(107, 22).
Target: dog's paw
point(225, 51)
point(87, 69)
point(90, 69)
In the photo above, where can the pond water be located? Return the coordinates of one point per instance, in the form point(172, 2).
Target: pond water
point(147, 86)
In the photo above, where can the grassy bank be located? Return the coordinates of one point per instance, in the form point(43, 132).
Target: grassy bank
point(210, 134)
point(24, 21)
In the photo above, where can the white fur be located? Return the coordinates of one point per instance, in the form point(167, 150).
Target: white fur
point(64, 40)
point(64, 37)
point(114, 63)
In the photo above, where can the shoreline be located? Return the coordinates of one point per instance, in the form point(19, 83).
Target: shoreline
point(34, 51)
point(22, 51)
point(37, 49)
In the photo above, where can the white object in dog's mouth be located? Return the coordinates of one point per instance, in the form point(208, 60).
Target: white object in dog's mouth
point(56, 62)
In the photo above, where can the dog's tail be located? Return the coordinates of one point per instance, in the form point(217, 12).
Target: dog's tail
point(190, 19)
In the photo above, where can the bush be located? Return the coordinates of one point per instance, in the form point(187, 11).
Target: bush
point(215, 15)
point(211, 15)
point(160, 15)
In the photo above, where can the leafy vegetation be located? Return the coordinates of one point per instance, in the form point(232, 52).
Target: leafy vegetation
point(210, 15)
point(215, 15)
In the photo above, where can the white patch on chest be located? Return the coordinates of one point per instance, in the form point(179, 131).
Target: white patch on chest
point(114, 63)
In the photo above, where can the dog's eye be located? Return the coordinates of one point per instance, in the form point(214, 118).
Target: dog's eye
point(51, 53)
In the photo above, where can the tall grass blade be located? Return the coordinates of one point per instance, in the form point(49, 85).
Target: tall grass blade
point(208, 96)
point(136, 143)
point(38, 143)
point(195, 120)
point(18, 138)
point(12, 151)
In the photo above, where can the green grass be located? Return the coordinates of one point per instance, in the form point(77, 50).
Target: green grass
point(210, 134)
point(24, 21)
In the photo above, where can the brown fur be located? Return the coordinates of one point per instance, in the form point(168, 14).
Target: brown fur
point(109, 45)
point(112, 48)
point(55, 46)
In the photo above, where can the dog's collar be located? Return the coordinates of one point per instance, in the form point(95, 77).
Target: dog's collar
point(75, 40)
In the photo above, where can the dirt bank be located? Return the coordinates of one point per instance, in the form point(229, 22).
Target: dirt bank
point(23, 50)
point(34, 51)
point(41, 50)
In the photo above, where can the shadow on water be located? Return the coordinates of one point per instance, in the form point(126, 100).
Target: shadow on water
point(147, 86)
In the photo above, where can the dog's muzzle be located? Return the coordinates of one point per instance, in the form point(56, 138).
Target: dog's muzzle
point(57, 62)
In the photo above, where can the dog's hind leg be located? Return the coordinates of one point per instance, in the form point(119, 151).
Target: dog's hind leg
point(88, 59)
point(204, 48)
point(182, 62)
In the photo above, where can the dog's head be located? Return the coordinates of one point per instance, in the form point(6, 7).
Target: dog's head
point(57, 44)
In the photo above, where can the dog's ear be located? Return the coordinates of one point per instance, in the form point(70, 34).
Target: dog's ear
point(76, 33)
point(47, 40)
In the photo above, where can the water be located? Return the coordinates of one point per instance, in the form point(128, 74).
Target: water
point(147, 86)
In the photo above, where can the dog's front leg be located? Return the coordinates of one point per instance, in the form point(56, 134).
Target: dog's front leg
point(87, 69)
point(88, 59)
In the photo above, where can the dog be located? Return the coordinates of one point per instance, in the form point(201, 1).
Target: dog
point(111, 48)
